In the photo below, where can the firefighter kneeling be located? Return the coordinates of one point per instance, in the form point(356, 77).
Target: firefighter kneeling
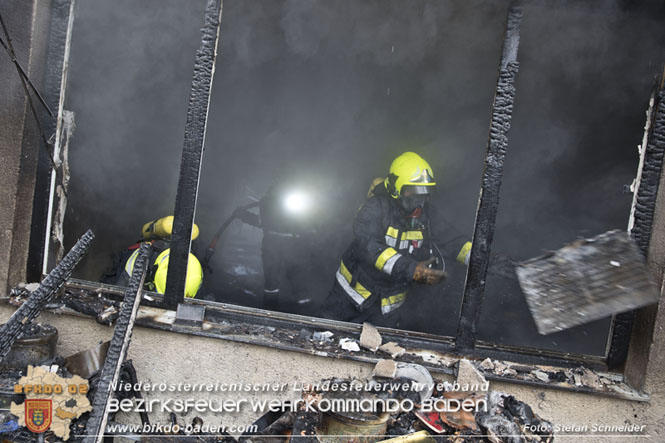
point(387, 254)
point(157, 233)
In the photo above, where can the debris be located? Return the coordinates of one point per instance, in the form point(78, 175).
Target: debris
point(418, 374)
point(87, 363)
point(393, 349)
point(590, 379)
point(458, 417)
point(305, 334)
point(434, 357)
point(506, 417)
point(190, 315)
point(540, 375)
point(370, 337)
point(502, 369)
point(432, 420)
point(585, 281)
point(349, 345)
point(323, 336)
point(385, 368)
point(469, 378)
point(486, 365)
point(31, 308)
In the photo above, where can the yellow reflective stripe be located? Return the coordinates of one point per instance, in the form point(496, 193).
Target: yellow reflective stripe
point(345, 272)
point(392, 232)
point(383, 258)
point(129, 266)
point(358, 293)
point(463, 256)
point(393, 299)
point(393, 302)
point(412, 235)
point(360, 289)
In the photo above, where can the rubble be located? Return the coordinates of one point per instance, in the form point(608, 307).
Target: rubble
point(370, 337)
point(419, 375)
point(507, 418)
point(470, 377)
point(393, 349)
point(540, 375)
point(385, 368)
point(323, 336)
point(486, 365)
point(349, 345)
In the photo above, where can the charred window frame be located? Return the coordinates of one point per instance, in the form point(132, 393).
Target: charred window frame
point(465, 342)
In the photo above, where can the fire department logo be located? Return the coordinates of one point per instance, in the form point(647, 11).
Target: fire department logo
point(38, 414)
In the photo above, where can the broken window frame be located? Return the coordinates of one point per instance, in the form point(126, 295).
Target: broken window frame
point(466, 342)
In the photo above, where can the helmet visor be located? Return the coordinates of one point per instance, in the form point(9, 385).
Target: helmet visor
point(413, 189)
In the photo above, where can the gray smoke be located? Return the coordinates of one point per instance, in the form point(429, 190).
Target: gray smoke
point(332, 91)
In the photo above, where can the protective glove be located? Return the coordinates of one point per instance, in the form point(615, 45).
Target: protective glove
point(426, 275)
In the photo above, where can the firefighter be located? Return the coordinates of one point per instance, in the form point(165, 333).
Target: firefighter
point(286, 216)
point(157, 233)
point(388, 253)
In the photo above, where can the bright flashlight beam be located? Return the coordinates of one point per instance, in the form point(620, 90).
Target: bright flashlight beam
point(297, 202)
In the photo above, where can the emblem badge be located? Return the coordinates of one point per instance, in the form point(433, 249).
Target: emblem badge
point(38, 415)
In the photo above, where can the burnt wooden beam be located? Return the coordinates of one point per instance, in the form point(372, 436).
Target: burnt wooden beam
point(51, 284)
point(122, 335)
point(641, 223)
point(488, 203)
point(192, 153)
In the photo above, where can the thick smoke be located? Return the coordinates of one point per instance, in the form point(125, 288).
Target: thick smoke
point(330, 92)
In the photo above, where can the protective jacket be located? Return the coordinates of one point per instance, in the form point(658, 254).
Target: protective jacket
point(382, 258)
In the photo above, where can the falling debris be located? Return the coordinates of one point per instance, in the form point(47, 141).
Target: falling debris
point(586, 281)
point(349, 345)
point(393, 349)
point(385, 368)
point(370, 337)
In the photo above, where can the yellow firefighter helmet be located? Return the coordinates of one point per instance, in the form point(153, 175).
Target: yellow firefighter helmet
point(194, 274)
point(409, 169)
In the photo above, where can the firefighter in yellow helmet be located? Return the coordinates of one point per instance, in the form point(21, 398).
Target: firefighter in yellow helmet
point(387, 254)
point(157, 233)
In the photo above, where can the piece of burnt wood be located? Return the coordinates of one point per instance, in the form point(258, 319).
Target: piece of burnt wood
point(502, 110)
point(585, 281)
point(115, 357)
point(31, 308)
point(192, 153)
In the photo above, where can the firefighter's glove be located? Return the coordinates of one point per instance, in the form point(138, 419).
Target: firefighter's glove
point(426, 275)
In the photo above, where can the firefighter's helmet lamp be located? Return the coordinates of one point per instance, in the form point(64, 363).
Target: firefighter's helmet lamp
point(194, 274)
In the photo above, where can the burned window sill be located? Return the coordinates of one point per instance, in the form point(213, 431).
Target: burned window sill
point(290, 332)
